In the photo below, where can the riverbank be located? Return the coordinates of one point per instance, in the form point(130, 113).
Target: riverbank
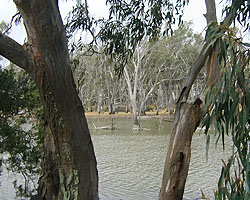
point(162, 115)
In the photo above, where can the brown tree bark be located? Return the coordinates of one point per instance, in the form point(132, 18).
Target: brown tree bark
point(187, 118)
point(179, 152)
point(69, 168)
point(213, 70)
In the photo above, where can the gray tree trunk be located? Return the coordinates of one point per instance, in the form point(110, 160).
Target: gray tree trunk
point(69, 168)
point(99, 104)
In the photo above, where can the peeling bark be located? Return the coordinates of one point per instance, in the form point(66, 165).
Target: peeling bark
point(69, 168)
point(213, 70)
point(179, 152)
point(187, 117)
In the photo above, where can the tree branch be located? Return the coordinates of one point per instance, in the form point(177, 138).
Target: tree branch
point(14, 52)
point(213, 70)
point(211, 11)
point(200, 61)
point(194, 71)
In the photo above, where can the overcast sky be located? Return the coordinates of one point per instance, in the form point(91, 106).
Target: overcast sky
point(194, 12)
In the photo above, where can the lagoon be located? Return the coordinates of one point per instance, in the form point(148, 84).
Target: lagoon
point(130, 164)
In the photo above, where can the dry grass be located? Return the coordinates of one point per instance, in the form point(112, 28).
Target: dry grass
point(123, 114)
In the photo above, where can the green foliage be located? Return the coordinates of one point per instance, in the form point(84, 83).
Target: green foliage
point(227, 103)
point(242, 10)
point(21, 128)
point(167, 59)
point(132, 21)
point(227, 108)
point(128, 24)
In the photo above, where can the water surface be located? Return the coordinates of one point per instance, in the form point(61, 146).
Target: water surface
point(130, 164)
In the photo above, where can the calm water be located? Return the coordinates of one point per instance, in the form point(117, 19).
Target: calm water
point(130, 164)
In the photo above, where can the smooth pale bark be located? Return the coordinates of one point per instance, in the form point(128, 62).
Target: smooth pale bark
point(132, 93)
point(148, 94)
point(187, 117)
point(179, 152)
point(69, 168)
point(171, 98)
point(99, 104)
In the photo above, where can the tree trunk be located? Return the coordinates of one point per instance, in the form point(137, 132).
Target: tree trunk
point(166, 95)
point(111, 108)
point(134, 114)
point(99, 104)
point(69, 168)
point(89, 106)
point(132, 96)
point(179, 152)
point(142, 111)
point(187, 118)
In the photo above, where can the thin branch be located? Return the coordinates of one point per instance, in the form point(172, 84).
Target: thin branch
point(11, 22)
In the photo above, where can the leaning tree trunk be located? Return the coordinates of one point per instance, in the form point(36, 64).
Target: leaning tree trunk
point(69, 168)
point(187, 118)
point(179, 152)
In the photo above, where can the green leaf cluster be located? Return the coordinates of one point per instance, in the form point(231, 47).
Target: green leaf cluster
point(128, 24)
point(21, 128)
point(227, 108)
point(241, 9)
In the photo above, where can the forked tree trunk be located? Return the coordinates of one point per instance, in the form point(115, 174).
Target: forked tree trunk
point(187, 117)
point(69, 168)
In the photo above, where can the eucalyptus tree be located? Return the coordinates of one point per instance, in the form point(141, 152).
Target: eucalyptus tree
point(133, 78)
point(188, 114)
point(96, 80)
point(113, 87)
point(88, 71)
point(227, 100)
point(69, 165)
point(182, 48)
point(177, 52)
point(142, 78)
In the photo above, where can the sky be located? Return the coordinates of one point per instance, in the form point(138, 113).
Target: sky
point(193, 12)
